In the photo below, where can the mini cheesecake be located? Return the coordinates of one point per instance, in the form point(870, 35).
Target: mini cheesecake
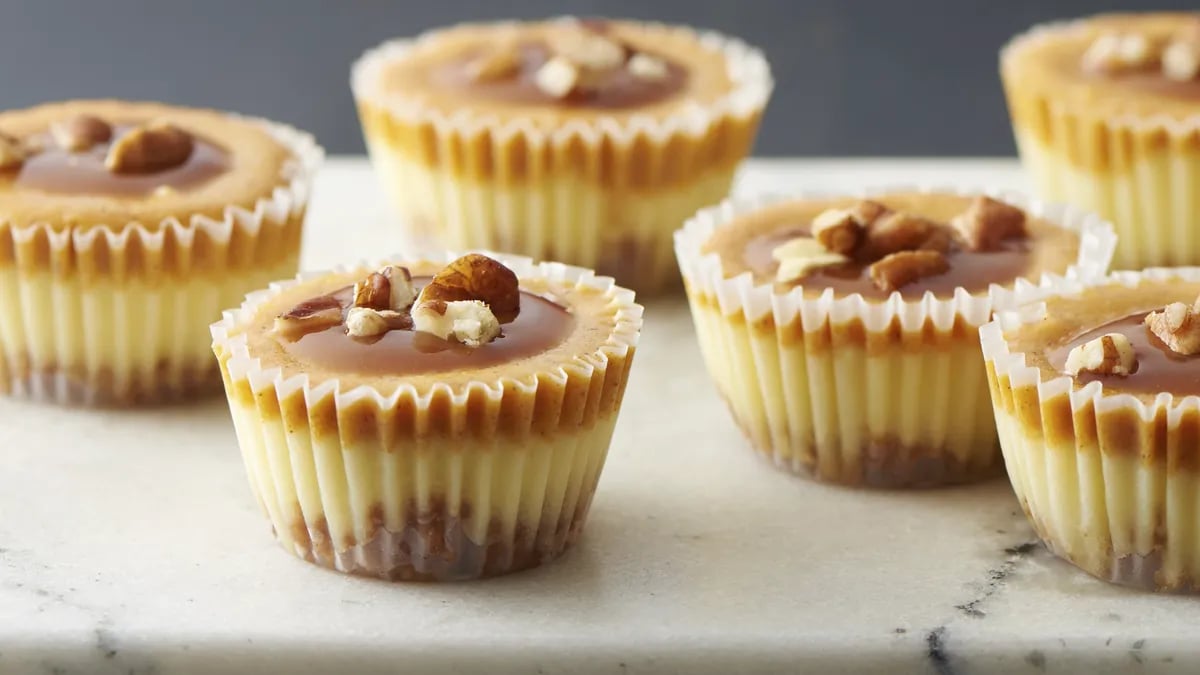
point(125, 228)
point(1097, 395)
point(429, 420)
point(841, 331)
point(582, 141)
point(1106, 112)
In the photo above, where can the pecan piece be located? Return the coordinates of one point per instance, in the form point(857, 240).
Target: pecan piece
point(13, 153)
point(837, 230)
point(557, 77)
point(1181, 60)
point(365, 322)
point(987, 222)
point(309, 316)
point(374, 292)
point(403, 294)
point(647, 67)
point(1178, 326)
point(904, 267)
point(496, 64)
point(150, 148)
point(1110, 354)
point(80, 132)
point(467, 321)
point(898, 231)
point(800, 256)
point(476, 277)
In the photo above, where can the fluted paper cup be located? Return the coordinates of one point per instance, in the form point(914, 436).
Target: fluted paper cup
point(1109, 481)
point(846, 390)
point(444, 482)
point(116, 315)
point(604, 193)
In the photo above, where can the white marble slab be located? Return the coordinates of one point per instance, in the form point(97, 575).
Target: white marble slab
point(129, 543)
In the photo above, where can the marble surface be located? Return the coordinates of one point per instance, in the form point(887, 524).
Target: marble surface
point(129, 543)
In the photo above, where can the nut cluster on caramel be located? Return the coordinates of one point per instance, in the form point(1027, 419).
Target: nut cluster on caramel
point(147, 148)
point(901, 247)
point(581, 59)
point(1177, 57)
point(1177, 325)
point(465, 302)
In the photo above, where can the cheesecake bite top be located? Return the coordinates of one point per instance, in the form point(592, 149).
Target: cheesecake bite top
point(1142, 340)
point(83, 164)
point(423, 323)
point(552, 71)
point(910, 243)
point(1138, 64)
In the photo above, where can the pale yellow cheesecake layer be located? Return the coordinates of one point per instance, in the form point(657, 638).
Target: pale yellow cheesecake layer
point(503, 505)
point(625, 234)
point(1121, 515)
point(1150, 198)
point(848, 413)
point(113, 343)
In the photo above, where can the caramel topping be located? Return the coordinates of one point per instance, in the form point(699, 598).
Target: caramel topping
point(1147, 58)
point(971, 270)
point(1159, 368)
point(56, 168)
point(541, 325)
point(874, 250)
point(533, 71)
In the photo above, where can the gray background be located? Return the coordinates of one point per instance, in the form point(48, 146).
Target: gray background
point(853, 77)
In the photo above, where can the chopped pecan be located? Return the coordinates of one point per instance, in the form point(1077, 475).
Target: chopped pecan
point(1181, 60)
point(1110, 354)
point(557, 77)
point(374, 292)
point(403, 294)
point(1178, 326)
point(800, 256)
point(987, 222)
point(1118, 52)
point(470, 322)
point(13, 153)
point(365, 322)
point(149, 148)
point(904, 267)
point(867, 211)
point(587, 49)
point(899, 231)
point(476, 277)
point(647, 67)
point(80, 132)
point(837, 230)
point(495, 64)
point(309, 316)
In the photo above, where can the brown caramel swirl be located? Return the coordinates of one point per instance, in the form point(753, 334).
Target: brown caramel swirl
point(57, 169)
point(541, 325)
point(1159, 369)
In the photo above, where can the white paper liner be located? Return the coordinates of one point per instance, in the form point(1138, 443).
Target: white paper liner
point(62, 311)
point(567, 214)
point(1125, 544)
point(554, 479)
point(1149, 200)
point(741, 297)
